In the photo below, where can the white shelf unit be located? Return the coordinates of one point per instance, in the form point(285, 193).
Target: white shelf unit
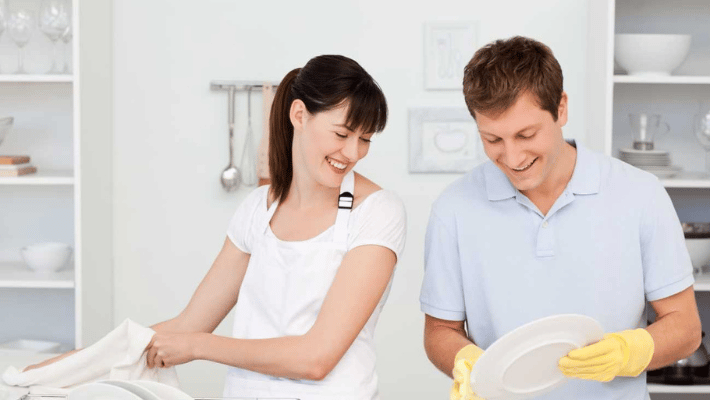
point(45, 206)
point(611, 95)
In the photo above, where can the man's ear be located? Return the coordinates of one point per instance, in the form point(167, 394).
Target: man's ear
point(562, 110)
point(297, 114)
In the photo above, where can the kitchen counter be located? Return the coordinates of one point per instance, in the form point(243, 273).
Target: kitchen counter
point(18, 359)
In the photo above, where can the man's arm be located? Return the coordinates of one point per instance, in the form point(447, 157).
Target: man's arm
point(677, 331)
point(442, 340)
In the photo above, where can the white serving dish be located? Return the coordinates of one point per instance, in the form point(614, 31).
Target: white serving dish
point(650, 54)
point(36, 346)
point(46, 257)
point(5, 126)
point(699, 249)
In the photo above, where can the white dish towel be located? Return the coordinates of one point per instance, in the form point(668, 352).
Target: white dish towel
point(119, 356)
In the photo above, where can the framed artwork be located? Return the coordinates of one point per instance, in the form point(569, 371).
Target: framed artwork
point(448, 46)
point(443, 140)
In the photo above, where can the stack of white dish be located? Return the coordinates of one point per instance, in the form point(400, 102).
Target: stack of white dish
point(126, 390)
point(657, 162)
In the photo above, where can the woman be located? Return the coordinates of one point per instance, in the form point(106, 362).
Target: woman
point(307, 260)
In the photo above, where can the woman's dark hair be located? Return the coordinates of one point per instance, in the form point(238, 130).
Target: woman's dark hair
point(324, 83)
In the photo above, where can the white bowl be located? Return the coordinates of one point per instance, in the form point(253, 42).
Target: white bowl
point(46, 257)
point(650, 54)
point(699, 249)
point(5, 125)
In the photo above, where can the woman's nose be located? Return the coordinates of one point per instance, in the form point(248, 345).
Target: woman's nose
point(350, 149)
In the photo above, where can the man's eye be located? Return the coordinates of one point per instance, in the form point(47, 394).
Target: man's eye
point(340, 136)
point(365, 140)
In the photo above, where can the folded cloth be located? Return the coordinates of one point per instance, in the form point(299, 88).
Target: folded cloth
point(120, 355)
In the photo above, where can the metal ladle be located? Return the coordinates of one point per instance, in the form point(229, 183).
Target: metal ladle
point(231, 178)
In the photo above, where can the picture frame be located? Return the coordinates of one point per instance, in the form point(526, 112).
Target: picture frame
point(443, 140)
point(448, 46)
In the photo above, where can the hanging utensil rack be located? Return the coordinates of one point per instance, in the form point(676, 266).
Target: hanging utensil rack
point(240, 85)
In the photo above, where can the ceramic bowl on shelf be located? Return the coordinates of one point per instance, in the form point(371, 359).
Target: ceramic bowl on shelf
point(699, 250)
point(650, 55)
point(46, 257)
point(5, 126)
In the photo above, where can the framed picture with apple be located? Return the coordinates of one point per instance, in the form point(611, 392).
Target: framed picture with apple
point(443, 140)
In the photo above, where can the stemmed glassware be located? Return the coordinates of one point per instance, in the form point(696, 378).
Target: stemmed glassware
point(53, 22)
point(3, 16)
point(66, 38)
point(20, 25)
point(702, 132)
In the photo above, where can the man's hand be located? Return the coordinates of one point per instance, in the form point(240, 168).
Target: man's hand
point(463, 364)
point(625, 353)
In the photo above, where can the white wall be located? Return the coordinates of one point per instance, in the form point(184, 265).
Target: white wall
point(170, 134)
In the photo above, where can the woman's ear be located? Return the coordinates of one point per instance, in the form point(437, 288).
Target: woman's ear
point(297, 114)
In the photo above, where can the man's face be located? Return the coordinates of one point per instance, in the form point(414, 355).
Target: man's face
point(525, 142)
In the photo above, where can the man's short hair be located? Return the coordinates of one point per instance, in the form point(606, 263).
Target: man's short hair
point(502, 70)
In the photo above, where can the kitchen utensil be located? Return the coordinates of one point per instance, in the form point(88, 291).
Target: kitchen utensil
point(20, 26)
point(699, 249)
point(53, 21)
point(689, 370)
point(248, 161)
point(5, 126)
point(231, 178)
point(46, 257)
point(644, 127)
point(702, 132)
point(651, 55)
point(523, 362)
point(66, 38)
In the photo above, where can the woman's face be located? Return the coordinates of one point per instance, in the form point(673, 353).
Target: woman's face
point(324, 148)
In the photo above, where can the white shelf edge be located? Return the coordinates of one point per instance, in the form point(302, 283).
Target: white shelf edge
point(686, 183)
point(661, 388)
point(41, 177)
point(663, 79)
point(37, 78)
point(17, 275)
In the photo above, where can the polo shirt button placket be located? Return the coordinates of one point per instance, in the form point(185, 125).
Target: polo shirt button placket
point(545, 240)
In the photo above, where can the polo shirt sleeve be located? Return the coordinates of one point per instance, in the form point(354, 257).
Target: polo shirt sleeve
point(442, 289)
point(241, 226)
point(664, 255)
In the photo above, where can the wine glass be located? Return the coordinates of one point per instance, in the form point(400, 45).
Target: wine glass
point(3, 17)
point(66, 38)
point(20, 26)
point(702, 132)
point(53, 21)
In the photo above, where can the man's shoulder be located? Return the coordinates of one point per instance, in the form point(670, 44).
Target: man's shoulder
point(468, 189)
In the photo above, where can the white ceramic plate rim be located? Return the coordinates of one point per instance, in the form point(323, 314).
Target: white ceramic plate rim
point(164, 391)
point(140, 391)
point(580, 329)
point(100, 390)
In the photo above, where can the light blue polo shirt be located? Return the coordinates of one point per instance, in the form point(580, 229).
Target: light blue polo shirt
point(611, 241)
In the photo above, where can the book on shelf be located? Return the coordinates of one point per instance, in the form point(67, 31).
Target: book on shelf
point(29, 169)
point(13, 160)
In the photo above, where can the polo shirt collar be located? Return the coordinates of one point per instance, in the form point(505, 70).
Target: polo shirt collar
point(586, 177)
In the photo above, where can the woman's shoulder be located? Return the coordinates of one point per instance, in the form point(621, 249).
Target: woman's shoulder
point(363, 189)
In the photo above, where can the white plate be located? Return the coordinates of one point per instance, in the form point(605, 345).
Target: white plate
point(100, 391)
point(164, 391)
point(523, 362)
point(644, 152)
point(140, 391)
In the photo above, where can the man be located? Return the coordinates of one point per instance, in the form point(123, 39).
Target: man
point(548, 227)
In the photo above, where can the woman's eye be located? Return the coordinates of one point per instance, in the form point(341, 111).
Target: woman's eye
point(493, 141)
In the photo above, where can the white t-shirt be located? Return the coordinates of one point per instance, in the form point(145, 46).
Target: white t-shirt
point(379, 220)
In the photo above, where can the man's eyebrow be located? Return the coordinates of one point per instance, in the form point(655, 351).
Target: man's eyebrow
point(527, 128)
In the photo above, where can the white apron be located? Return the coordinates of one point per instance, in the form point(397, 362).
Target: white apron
point(281, 295)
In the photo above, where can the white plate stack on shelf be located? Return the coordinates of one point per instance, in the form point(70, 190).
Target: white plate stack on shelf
point(657, 162)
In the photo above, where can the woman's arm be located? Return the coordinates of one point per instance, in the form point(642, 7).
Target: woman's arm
point(357, 288)
point(214, 297)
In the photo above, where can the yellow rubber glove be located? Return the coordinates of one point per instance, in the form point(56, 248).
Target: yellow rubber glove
point(463, 363)
point(625, 353)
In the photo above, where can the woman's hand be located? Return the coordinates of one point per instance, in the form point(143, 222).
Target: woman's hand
point(168, 349)
point(50, 361)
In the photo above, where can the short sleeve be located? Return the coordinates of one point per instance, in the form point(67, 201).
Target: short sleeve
point(442, 287)
point(382, 221)
point(242, 225)
point(666, 263)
